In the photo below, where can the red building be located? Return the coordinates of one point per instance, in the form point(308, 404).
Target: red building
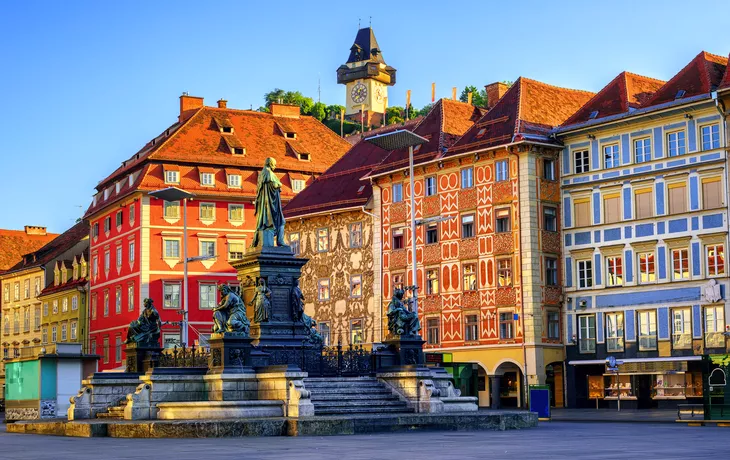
point(136, 245)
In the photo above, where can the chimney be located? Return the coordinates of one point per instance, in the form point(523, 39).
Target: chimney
point(285, 110)
point(222, 104)
point(495, 91)
point(33, 230)
point(188, 103)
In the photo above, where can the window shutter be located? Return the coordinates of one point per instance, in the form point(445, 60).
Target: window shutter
point(612, 209)
point(711, 193)
point(582, 213)
point(643, 205)
point(677, 199)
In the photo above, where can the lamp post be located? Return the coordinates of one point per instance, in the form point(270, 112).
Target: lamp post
point(176, 194)
point(397, 140)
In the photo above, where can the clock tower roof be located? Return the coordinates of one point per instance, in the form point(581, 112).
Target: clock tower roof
point(365, 47)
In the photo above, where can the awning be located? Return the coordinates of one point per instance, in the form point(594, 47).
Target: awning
point(637, 360)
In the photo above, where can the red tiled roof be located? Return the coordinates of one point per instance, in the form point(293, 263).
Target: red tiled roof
point(442, 126)
point(529, 108)
point(702, 75)
point(340, 186)
point(198, 141)
point(725, 84)
point(62, 287)
point(355, 138)
point(15, 243)
point(626, 91)
point(54, 248)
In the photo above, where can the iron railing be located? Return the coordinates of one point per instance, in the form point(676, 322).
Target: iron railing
point(338, 361)
point(183, 357)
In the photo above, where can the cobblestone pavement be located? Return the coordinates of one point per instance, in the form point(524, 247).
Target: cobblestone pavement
point(551, 440)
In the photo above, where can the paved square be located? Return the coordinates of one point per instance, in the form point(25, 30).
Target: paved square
point(556, 440)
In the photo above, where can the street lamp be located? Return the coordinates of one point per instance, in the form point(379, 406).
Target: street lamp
point(176, 194)
point(397, 140)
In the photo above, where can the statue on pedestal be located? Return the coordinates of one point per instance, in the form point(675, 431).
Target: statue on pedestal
point(269, 214)
point(261, 302)
point(145, 330)
point(297, 301)
point(230, 314)
point(401, 321)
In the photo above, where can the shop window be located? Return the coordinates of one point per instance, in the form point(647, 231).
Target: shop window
point(647, 330)
point(587, 334)
point(614, 332)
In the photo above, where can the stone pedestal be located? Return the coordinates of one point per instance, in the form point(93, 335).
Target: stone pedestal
point(140, 358)
point(406, 350)
point(285, 383)
point(230, 353)
point(280, 339)
point(100, 392)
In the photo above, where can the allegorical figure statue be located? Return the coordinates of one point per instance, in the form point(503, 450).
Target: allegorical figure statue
point(297, 301)
point(401, 321)
point(269, 215)
point(261, 302)
point(230, 314)
point(145, 330)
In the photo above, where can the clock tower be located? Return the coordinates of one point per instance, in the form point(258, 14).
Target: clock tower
point(366, 77)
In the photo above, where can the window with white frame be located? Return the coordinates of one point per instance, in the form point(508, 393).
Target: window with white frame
point(172, 248)
point(430, 183)
point(64, 305)
point(64, 332)
point(585, 274)
point(172, 177)
point(171, 295)
point(553, 324)
point(506, 325)
point(504, 272)
point(550, 219)
point(433, 337)
point(235, 212)
point(132, 209)
point(614, 271)
point(119, 257)
point(355, 235)
point(207, 179)
point(323, 240)
point(357, 331)
point(642, 150)
point(710, 135)
point(548, 169)
point(397, 193)
point(130, 297)
point(207, 211)
point(502, 220)
point(614, 332)
point(611, 158)
point(171, 209)
point(587, 333)
point(236, 250)
point(676, 143)
point(234, 180)
point(44, 336)
point(680, 264)
point(432, 233)
point(647, 330)
point(501, 168)
point(647, 267)
point(118, 348)
point(324, 330)
point(356, 286)
point(467, 226)
point(74, 303)
point(74, 330)
point(106, 303)
point(469, 275)
point(208, 248)
point(37, 317)
point(551, 271)
point(118, 300)
point(471, 328)
point(715, 326)
point(208, 296)
point(681, 329)
point(26, 319)
point(54, 334)
point(131, 252)
point(467, 177)
point(323, 289)
point(581, 161)
point(398, 238)
point(55, 306)
point(715, 259)
point(294, 243)
point(6, 292)
point(297, 185)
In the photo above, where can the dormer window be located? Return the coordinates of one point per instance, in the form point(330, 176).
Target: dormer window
point(481, 132)
point(680, 94)
point(172, 177)
point(304, 156)
point(207, 179)
point(234, 180)
point(106, 193)
point(417, 148)
point(297, 185)
point(593, 115)
point(290, 135)
point(239, 151)
point(360, 190)
point(227, 129)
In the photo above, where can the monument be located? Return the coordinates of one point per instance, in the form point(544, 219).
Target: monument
point(269, 278)
point(405, 345)
point(230, 344)
point(143, 339)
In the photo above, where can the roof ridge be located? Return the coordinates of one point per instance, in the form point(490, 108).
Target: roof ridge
point(530, 80)
point(716, 57)
point(643, 76)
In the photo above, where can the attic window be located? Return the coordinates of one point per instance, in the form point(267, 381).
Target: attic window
point(239, 151)
point(290, 135)
point(360, 190)
point(304, 156)
point(680, 94)
point(227, 129)
point(106, 193)
point(297, 185)
point(593, 114)
point(481, 132)
point(417, 148)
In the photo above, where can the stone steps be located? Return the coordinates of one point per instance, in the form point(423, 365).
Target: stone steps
point(114, 412)
point(357, 395)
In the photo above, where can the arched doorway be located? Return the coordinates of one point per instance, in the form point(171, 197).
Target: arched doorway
point(506, 385)
point(555, 378)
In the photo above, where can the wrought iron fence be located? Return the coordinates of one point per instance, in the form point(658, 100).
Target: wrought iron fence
point(338, 361)
point(183, 357)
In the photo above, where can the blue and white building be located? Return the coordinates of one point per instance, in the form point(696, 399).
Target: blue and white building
point(645, 195)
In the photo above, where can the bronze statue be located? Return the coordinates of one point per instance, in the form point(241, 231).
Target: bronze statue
point(269, 214)
point(261, 302)
point(145, 330)
point(230, 314)
point(401, 321)
point(297, 301)
point(314, 336)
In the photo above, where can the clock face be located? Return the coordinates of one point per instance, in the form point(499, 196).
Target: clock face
point(359, 93)
point(379, 94)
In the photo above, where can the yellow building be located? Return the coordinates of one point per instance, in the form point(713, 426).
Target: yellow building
point(64, 303)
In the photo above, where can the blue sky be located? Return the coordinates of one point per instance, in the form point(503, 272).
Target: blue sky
point(86, 84)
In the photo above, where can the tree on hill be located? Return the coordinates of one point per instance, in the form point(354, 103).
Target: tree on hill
point(478, 98)
point(319, 111)
point(334, 111)
point(290, 97)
